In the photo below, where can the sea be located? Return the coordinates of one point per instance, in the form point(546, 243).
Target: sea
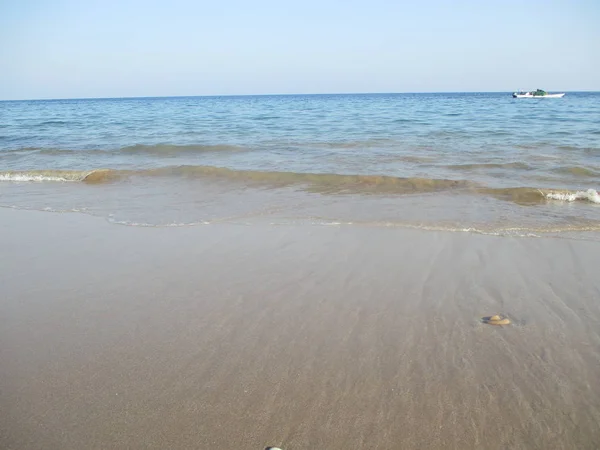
point(465, 162)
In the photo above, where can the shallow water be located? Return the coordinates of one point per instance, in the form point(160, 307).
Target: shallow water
point(482, 162)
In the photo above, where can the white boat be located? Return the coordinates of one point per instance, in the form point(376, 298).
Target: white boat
point(539, 93)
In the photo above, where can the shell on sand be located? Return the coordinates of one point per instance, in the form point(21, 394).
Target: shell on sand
point(496, 320)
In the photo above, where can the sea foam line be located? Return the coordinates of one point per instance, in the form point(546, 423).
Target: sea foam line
point(589, 195)
point(29, 177)
point(50, 175)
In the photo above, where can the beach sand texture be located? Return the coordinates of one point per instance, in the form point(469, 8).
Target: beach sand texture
point(301, 337)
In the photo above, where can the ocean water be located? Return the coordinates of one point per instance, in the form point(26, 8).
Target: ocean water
point(475, 162)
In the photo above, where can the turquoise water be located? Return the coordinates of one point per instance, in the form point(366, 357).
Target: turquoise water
point(478, 161)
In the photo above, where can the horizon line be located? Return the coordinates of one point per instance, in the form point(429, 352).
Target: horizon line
point(264, 95)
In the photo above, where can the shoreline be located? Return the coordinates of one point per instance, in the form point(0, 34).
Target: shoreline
point(231, 336)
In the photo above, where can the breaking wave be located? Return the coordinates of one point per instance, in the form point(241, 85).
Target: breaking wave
point(323, 183)
point(318, 182)
point(475, 166)
point(533, 196)
point(590, 195)
point(89, 176)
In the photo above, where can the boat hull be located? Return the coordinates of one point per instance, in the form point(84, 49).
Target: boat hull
point(538, 96)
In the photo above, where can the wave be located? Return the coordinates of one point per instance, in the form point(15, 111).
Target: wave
point(54, 122)
point(572, 148)
point(322, 183)
point(89, 176)
point(520, 195)
point(411, 159)
point(315, 182)
point(168, 149)
point(359, 143)
point(589, 195)
point(356, 144)
point(325, 183)
point(534, 145)
point(533, 196)
point(20, 150)
point(155, 150)
point(475, 166)
point(578, 171)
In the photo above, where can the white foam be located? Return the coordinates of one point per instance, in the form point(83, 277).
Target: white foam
point(127, 223)
point(41, 177)
point(29, 177)
point(47, 209)
point(332, 224)
point(590, 195)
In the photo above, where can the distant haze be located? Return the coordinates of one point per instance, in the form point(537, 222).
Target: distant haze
point(110, 48)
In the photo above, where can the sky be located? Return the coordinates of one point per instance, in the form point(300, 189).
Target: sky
point(131, 48)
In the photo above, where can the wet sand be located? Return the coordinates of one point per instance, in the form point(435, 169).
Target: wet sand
point(303, 337)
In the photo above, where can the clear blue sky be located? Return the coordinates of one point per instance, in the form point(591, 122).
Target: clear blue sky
point(122, 48)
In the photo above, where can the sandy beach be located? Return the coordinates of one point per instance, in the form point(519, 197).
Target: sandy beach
point(302, 337)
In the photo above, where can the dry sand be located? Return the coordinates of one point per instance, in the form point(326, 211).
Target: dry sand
point(239, 337)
